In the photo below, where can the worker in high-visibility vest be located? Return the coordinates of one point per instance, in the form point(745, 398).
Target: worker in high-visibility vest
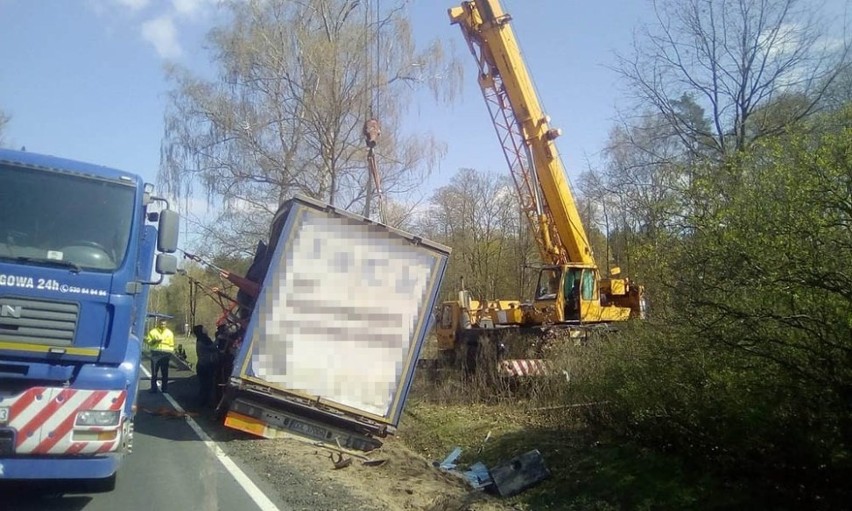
point(161, 340)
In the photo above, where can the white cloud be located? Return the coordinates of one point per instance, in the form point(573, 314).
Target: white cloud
point(161, 32)
point(133, 5)
point(163, 23)
point(187, 7)
point(781, 40)
point(833, 44)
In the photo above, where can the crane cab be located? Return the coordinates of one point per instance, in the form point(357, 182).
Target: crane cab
point(576, 294)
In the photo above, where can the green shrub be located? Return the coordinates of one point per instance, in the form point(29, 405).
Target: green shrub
point(749, 375)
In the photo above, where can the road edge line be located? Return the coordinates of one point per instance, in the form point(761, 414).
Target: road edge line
point(256, 494)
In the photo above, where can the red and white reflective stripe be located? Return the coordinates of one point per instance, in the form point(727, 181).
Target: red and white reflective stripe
point(30, 434)
point(525, 367)
point(44, 417)
point(98, 447)
point(59, 431)
point(21, 410)
point(109, 402)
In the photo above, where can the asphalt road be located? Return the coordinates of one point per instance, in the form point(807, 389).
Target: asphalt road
point(170, 468)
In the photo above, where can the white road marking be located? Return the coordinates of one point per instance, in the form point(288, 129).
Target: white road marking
point(250, 488)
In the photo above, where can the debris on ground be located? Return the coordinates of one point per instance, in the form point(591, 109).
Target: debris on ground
point(449, 462)
point(519, 473)
point(169, 412)
point(478, 476)
point(341, 461)
point(482, 445)
point(342, 457)
point(507, 479)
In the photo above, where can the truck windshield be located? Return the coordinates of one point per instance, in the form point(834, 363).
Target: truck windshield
point(58, 219)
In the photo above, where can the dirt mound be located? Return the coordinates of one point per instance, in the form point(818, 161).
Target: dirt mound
point(405, 481)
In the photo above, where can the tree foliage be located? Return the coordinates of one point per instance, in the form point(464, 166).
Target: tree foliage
point(190, 296)
point(752, 369)
point(295, 83)
point(478, 215)
point(639, 192)
point(731, 57)
point(709, 79)
point(731, 189)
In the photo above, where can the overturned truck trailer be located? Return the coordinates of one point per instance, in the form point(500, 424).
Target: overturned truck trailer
point(331, 346)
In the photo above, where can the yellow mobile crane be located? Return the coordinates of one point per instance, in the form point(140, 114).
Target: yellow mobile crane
point(570, 291)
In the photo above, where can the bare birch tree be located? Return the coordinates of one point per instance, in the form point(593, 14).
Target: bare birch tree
point(478, 215)
point(733, 57)
point(296, 80)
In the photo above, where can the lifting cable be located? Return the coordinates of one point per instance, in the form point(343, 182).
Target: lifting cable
point(193, 301)
point(372, 128)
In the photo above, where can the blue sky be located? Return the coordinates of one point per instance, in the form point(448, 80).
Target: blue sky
point(84, 79)
point(566, 45)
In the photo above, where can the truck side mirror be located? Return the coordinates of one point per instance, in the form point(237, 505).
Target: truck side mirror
point(166, 264)
point(167, 237)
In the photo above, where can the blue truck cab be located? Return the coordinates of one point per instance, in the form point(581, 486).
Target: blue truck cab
point(77, 247)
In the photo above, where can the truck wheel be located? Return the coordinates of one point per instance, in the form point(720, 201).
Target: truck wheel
point(104, 485)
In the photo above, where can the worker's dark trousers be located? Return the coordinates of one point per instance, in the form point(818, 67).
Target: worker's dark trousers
point(160, 363)
point(206, 383)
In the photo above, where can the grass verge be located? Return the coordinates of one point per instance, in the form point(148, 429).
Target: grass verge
point(588, 470)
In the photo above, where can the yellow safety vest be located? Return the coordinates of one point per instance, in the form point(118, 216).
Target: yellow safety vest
point(161, 340)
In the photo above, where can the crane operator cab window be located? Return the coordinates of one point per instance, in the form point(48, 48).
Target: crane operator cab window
point(548, 284)
point(571, 290)
point(588, 286)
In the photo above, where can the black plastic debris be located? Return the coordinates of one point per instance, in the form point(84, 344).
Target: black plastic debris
point(519, 473)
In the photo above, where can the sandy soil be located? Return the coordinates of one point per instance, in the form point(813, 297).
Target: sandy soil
point(305, 477)
point(405, 481)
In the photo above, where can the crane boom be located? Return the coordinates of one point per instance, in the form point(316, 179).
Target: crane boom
point(525, 133)
point(570, 289)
